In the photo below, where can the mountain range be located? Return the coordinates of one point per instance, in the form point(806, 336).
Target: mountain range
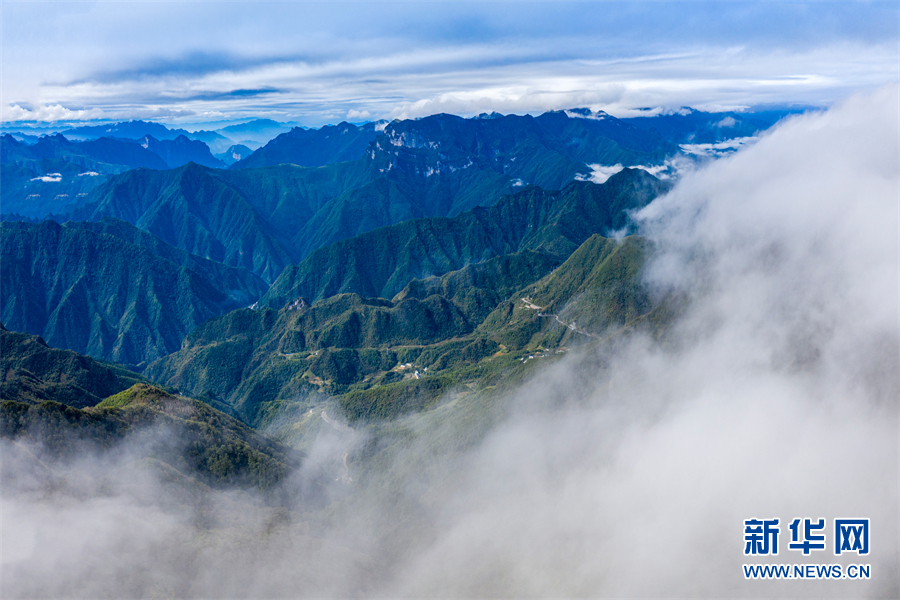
point(338, 262)
point(181, 151)
point(265, 218)
point(504, 150)
point(381, 262)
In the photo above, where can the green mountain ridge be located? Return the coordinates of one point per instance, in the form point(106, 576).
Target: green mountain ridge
point(241, 285)
point(594, 291)
point(249, 357)
point(312, 147)
point(383, 261)
point(391, 356)
point(192, 210)
point(264, 219)
point(33, 372)
point(196, 440)
point(109, 290)
point(268, 217)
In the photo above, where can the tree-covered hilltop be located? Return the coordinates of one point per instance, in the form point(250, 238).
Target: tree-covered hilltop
point(65, 406)
point(146, 422)
point(191, 209)
point(34, 372)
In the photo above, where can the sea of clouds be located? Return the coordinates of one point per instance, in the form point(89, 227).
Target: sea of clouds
point(627, 470)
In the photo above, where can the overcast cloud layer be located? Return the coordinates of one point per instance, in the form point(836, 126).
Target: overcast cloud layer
point(314, 63)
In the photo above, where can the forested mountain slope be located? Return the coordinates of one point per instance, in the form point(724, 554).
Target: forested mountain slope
point(382, 262)
point(109, 290)
point(34, 372)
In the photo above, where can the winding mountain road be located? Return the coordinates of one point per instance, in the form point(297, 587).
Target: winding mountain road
point(531, 305)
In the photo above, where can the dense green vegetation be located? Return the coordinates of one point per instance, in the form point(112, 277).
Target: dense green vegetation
point(382, 262)
point(249, 358)
point(595, 289)
point(33, 372)
point(190, 436)
point(190, 209)
point(141, 295)
point(452, 332)
point(394, 399)
point(239, 284)
point(110, 290)
point(265, 218)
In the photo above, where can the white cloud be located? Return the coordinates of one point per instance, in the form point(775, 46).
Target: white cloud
point(661, 171)
point(726, 122)
point(600, 173)
point(719, 148)
point(670, 169)
point(593, 115)
point(49, 113)
point(49, 178)
point(357, 115)
point(776, 394)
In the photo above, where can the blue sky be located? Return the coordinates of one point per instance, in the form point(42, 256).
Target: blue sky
point(314, 63)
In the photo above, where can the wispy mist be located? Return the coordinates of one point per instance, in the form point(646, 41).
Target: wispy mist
point(624, 471)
